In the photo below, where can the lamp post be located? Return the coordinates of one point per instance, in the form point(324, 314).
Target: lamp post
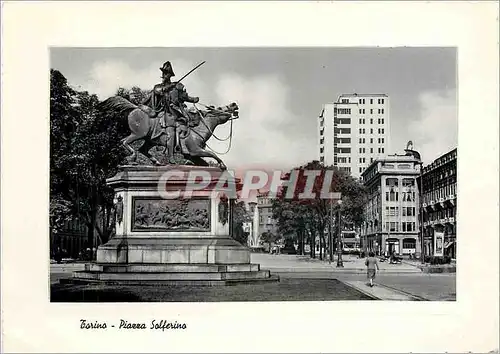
point(410, 152)
point(340, 264)
point(421, 209)
point(330, 234)
point(392, 192)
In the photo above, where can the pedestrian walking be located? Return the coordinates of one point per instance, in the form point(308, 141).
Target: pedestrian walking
point(371, 267)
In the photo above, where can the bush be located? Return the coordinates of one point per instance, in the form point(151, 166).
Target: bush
point(437, 260)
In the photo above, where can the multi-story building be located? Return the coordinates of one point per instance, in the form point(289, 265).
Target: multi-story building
point(265, 211)
point(391, 213)
point(354, 131)
point(350, 238)
point(71, 239)
point(439, 205)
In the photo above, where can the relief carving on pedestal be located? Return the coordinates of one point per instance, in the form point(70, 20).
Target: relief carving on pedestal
point(223, 210)
point(171, 215)
point(119, 209)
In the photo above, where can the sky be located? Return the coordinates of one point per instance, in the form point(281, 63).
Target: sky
point(281, 91)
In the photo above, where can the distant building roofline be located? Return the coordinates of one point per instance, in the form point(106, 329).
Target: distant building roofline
point(388, 158)
point(429, 167)
point(363, 95)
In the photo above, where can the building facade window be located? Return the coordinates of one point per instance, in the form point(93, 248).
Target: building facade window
point(392, 226)
point(343, 130)
point(344, 120)
point(344, 111)
point(409, 243)
point(344, 140)
point(343, 150)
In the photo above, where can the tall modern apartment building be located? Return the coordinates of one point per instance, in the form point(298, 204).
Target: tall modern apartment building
point(354, 131)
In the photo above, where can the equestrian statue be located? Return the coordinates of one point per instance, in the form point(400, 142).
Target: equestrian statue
point(163, 119)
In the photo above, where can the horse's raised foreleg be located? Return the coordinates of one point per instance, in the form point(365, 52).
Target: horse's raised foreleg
point(126, 143)
point(198, 161)
point(198, 152)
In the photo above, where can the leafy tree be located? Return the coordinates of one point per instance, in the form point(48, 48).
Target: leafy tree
point(314, 213)
point(85, 150)
point(240, 215)
point(135, 94)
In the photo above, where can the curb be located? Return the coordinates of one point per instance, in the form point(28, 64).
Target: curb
point(372, 297)
point(414, 297)
point(339, 271)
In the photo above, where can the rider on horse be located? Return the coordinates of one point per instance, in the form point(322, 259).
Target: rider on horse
point(167, 100)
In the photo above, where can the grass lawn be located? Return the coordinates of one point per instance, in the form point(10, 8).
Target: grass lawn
point(285, 290)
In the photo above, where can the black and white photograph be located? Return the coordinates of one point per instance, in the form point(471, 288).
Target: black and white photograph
point(221, 176)
point(384, 126)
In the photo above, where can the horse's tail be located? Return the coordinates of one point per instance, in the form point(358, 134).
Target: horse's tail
point(117, 104)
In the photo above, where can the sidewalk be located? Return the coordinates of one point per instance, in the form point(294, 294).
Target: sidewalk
point(352, 264)
point(382, 292)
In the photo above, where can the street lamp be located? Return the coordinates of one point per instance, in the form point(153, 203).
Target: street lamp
point(340, 264)
point(421, 209)
point(410, 152)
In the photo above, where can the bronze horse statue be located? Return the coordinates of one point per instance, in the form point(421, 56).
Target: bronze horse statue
point(143, 127)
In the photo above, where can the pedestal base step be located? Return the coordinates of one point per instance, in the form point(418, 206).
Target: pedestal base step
point(171, 274)
point(170, 268)
point(226, 282)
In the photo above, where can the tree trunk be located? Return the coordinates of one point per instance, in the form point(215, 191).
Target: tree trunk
point(321, 247)
point(313, 243)
point(301, 241)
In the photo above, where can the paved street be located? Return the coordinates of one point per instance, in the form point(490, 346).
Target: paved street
point(393, 282)
point(400, 277)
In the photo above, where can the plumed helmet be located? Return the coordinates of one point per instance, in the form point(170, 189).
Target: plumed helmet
point(167, 69)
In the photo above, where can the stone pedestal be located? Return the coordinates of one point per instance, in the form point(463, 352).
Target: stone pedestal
point(182, 240)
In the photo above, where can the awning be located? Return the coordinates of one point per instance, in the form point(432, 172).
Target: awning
point(448, 244)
